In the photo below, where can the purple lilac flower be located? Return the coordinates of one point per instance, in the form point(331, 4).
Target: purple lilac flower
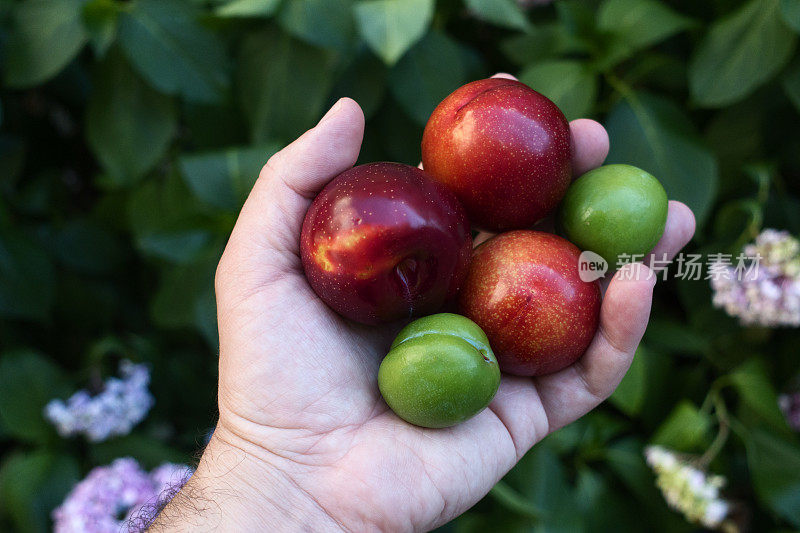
point(123, 403)
point(790, 405)
point(766, 293)
point(110, 496)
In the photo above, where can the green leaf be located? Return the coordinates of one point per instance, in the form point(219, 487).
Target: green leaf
point(27, 278)
point(86, 247)
point(128, 124)
point(224, 178)
point(632, 391)
point(175, 305)
point(101, 18)
point(675, 337)
point(637, 24)
point(430, 71)
point(655, 134)
point(505, 13)
point(686, 429)
point(33, 484)
point(283, 91)
point(327, 23)
point(775, 470)
point(46, 36)
point(790, 9)
point(391, 27)
point(248, 8)
point(740, 53)
point(543, 41)
point(571, 84)
point(172, 51)
point(365, 82)
point(28, 380)
point(167, 222)
point(791, 85)
point(755, 390)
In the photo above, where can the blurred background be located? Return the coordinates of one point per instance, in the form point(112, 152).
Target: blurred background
point(131, 132)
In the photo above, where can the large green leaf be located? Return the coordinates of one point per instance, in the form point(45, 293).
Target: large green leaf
point(654, 134)
point(166, 44)
point(740, 53)
point(167, 222)
point(430, 71)
point(32, 484)
point(686, 429)
point(391, 27)
point(46, 36)
point(753, 385)
point(637, 24)
point(282, 92)
point(791, 85)
point(543, 41)
point(632, 390)
point(84, 246)
point(571, 84)
point(501, 12)
point(365, 82)
point(248, 8)
point(129, 125)
point(791, 13)
point(775, 469)
point(27, 277)
point(101, 18)
point(28, 380)
point(182, 292)
point(321, 22)
point(541, 481)
point(224, 178)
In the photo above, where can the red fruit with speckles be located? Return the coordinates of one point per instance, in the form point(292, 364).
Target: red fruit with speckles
point(384, 241)
point(524, 291)
point(503, 148)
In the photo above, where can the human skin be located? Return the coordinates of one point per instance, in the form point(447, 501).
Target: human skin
point(304, 440)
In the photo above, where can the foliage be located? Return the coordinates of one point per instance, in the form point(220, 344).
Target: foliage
point(131, 132)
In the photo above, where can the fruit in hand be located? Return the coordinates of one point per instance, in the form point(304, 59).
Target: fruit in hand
point(524, 291)
point(384, 241)
point(503, 148)
point(615, 210)
point(440, 371)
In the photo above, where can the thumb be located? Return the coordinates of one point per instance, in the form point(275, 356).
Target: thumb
point(268, 228)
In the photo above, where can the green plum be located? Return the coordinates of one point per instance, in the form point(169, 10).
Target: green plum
point(440, 371)
point(615, 210)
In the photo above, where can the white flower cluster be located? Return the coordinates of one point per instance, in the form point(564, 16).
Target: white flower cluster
point(123, 403)
point(768, 293)
point(687, 489)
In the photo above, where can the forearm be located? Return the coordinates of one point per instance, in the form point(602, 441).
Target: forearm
point(233, 491)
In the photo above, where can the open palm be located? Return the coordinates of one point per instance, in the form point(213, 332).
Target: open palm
point(298, 395)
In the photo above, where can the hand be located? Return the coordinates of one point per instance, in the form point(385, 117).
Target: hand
point(304, 439)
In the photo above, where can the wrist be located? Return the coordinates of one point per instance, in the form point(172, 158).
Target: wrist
point(233, 489)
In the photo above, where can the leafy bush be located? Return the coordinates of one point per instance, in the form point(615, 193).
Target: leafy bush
point(133, 130)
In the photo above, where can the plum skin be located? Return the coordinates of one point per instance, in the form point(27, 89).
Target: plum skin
point(383, 242)
point(504, 149)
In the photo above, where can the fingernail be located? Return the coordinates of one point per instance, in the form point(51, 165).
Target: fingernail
point(332, 111)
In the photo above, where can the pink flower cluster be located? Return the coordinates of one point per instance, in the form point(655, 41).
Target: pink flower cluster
point(111, 496)
point(767, 293)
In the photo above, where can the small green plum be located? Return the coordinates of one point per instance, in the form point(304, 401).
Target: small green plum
point(439, 372)
point(615, 210)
